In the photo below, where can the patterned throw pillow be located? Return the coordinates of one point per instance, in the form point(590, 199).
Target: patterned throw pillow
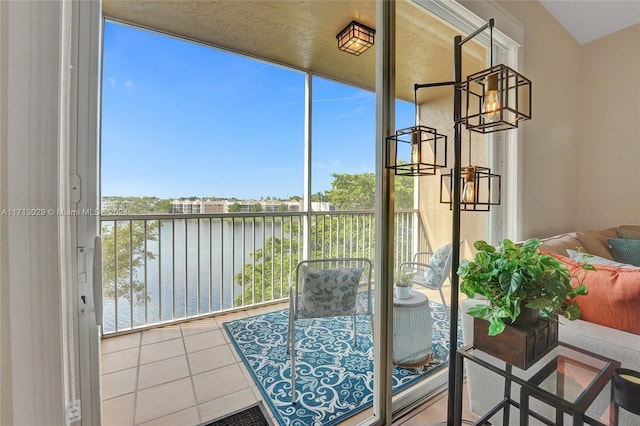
point(330, 292)
point(625, 251)
point(433, 275)
point(582, 257)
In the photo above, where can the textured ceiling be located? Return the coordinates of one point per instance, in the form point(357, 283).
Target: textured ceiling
point(302, 34)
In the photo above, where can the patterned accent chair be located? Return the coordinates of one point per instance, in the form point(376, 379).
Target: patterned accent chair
point(433, 272)
point(325, 288)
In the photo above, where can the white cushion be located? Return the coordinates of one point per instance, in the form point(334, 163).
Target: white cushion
point(582, 257)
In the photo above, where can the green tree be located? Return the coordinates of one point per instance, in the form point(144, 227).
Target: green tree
point(352, 192)
point(357, 191)
point(348, 192)
point(257, 207)
point(234, 208)
point(123, 253)
point(163, 206)
point(269, 279)
point(404, 192)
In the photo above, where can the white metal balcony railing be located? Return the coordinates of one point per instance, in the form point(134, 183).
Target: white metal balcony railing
point(163, 268)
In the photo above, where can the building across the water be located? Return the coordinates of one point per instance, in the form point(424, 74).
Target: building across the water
point(189, 206)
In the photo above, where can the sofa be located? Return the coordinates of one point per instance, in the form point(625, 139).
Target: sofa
point(609, 324)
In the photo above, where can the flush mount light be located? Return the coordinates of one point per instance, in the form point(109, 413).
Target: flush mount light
point(355, 38)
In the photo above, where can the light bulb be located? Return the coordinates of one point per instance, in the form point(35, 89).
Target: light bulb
point(469, 190)
point(491, 104)
point(415, 148)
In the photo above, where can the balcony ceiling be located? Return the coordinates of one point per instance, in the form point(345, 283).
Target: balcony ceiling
point(302, 34)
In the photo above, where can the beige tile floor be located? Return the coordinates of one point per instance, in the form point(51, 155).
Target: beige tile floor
point(183, 374)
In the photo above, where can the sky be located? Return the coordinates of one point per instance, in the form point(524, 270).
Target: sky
point(181, 119)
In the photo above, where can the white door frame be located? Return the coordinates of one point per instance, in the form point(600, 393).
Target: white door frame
point(87, 42)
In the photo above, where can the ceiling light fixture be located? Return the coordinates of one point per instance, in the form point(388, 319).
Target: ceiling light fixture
point(356, 38)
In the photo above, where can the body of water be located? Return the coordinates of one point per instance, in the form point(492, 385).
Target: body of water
point(191, 270)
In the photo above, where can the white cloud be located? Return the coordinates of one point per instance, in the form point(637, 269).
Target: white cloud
point(112, 82)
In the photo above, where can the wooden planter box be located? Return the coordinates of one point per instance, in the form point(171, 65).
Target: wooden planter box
point(518, 345)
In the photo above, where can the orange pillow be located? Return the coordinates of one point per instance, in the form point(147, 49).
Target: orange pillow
point(614, 295)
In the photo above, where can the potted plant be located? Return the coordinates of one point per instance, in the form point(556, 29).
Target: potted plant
point(518, 276)
point(403, 281)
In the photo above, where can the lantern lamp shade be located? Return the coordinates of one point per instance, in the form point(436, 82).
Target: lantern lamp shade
point(356, 38)
point(486, 189)
point(495, 99)
point(416, 151)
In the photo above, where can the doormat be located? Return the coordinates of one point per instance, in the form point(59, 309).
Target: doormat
point(253, 415)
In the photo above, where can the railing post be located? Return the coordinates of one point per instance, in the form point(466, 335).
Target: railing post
point(308, 109)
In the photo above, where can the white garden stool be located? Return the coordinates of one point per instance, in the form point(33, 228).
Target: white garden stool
point(412, 330)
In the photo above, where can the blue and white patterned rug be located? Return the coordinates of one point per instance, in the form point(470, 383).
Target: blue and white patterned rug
point(335, 379)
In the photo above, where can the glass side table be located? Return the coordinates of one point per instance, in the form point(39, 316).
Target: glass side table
point(569, 382)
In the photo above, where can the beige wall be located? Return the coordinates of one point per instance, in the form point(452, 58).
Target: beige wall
point(581, 148)
point(551, 138)
point(609, 155)
point(435, 216)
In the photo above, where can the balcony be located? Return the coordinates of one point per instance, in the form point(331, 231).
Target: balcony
point(162, 269)
point(190, 373)
point(170, 283)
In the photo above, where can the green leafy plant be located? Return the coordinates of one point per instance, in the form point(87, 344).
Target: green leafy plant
point(404, 278)
point(516, 275)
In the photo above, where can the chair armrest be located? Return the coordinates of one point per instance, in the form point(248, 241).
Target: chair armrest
point(422, 253)
point(418, 268)
point(415, 265)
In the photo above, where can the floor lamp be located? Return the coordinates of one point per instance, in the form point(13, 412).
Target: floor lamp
point(495, 99)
